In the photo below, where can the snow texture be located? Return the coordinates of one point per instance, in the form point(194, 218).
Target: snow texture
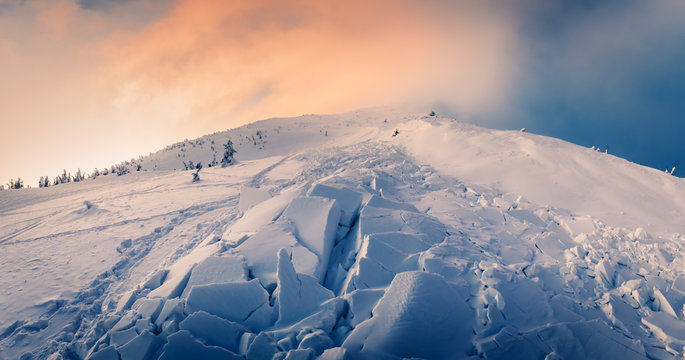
point(330, 238)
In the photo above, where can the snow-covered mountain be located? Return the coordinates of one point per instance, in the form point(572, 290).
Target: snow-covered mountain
point(372, 234)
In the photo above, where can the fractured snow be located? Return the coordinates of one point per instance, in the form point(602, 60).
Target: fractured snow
point(499, 245)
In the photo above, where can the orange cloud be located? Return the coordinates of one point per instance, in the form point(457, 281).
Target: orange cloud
point(134, 76)
point(242, 60)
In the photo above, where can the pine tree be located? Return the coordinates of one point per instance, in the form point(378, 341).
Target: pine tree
point(43, 182)
point(121, 169)
point(64, 178)
point(196, 174)
point(79, 176)
point(229, 152)
point(16, 184)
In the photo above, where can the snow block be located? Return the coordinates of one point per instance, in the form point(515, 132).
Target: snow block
point(348, 200)
point(148, 307)
point(142, 347)
point(298, 295)
point(217, 269)
point(143, 324)
point(214, 330)
point(261, 252)
point(667, 328)
point(239, 302)
point(120, 338)
point(107, 353)
point(369, 274)
point(179, 273)
point(403, 243)
point(578, 340)
point(126, 321)
point(337, 353)
point(442, 330)
point(245, 342)
point(361, 303)
point(173, 308)
point(374, 220)
point(182, 345)
point(258, 216)
point(325, 319)
point(300, 354)
point(263, 347)
point(317, 340)
point(379, 202)
point(126, 301)
point(381, 256)
point(316, 220)
point(156, 279)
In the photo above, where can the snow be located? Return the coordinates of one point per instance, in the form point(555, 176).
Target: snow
point(119, 338)
point(216, 269)
point(297, 294)
point(316, 220)
point(317, 341)
point(334, 354)
point(262, 347)
point(420, 315)
point(213, 330)
point(551, 172)
point(238, 301)
point(347, 199)
point(361, 302)
point(107, 353)
point(250, 197)
point(358, 244)
point(258, 216)
point(171, 308)
point(141, 347)
point(261, 251)
point(182, 345)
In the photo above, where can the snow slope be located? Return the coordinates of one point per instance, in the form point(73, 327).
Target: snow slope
point(332, 238)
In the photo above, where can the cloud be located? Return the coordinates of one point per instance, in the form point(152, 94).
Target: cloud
point(98, 4)
point(606, 73)
point(135, 75)
point(212, 57)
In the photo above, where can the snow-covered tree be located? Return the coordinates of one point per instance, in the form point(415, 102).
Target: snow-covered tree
point(229, 152)
point(79, 176)
point(120, 169)
point(62, 179)
point(18, 184)
point(44, 182)
point(196, 174)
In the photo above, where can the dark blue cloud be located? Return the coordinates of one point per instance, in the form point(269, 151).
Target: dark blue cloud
point(603, 74)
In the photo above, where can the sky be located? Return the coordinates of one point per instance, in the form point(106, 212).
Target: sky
point(90, 83)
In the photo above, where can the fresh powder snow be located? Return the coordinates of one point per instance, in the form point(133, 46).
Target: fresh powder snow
point(376, 234)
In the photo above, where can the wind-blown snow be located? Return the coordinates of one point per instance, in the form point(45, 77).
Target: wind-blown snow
point(332, 238)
